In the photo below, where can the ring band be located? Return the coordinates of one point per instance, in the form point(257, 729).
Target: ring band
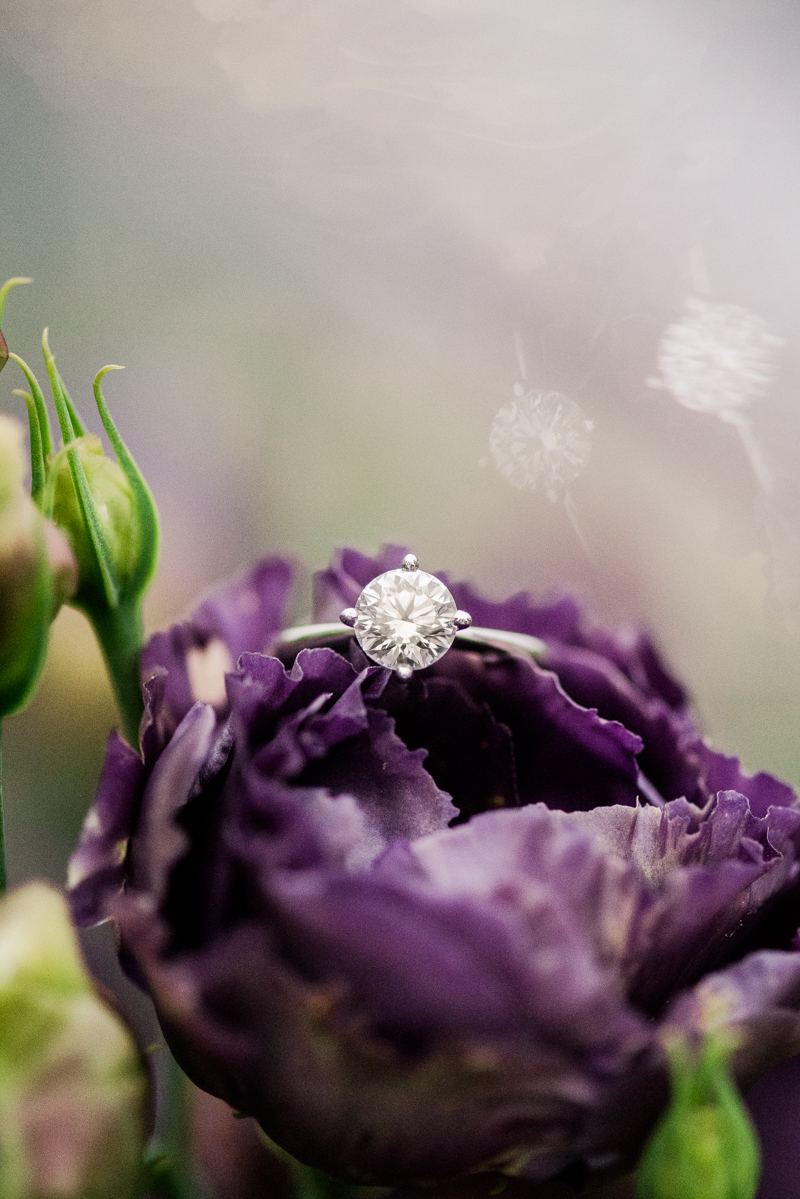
point(406, 619)
point(522, 644)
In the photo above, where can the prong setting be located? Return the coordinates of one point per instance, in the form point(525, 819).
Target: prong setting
point(405, 619)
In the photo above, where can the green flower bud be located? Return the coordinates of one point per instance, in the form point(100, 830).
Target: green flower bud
point(73, 1092)
point(705, 1146)
point(37, 572)
point(114, 504)
point(109, 517)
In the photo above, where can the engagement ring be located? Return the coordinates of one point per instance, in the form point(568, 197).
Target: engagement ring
point(406, 619)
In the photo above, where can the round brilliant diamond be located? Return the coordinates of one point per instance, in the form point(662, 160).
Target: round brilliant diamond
point(405, 619)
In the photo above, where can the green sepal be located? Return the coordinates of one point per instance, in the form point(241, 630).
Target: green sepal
point(704, 1146)
point(41, 408)
point(4, 290)
point(104, 560)
point(149, 532)
point(78, 429)
point(38, 471)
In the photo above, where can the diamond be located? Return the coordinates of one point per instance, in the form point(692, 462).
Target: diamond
point(405, 619)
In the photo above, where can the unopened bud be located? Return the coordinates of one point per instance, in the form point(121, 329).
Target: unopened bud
point(37, 572)
point(109, 517)
point(704, 1146)
point(115, 515)
point(72, 1088)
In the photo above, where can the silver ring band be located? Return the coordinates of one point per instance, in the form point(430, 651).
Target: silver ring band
point(519, 643)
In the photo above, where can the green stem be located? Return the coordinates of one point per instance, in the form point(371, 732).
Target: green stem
point(169, 1154)
point(2, 822)
point(120, 633)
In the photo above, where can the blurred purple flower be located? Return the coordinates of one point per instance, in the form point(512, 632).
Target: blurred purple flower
point(421, 930)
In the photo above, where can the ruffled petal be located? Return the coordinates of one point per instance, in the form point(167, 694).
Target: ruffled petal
point(564, 755)
point(341, 584)
point(97, 867)
point(335, 741)
point(470, 754)
point(245, 615)
point(387, 1032)
point(669, 765)
point(158, 841)
point(712, 877)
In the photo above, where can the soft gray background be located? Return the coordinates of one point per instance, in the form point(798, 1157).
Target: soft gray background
point(310, 230)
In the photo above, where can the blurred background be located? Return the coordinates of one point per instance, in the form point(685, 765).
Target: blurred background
point(328, 238)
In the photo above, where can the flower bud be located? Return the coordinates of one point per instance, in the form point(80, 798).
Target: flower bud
point(37, 572)
point(107, 513)
point(705, 1146)
point(115, 508)
point(72, 1088)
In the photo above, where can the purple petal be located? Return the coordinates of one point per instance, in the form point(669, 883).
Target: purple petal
point(470, 754)
point(759, 998)
point(389, 782)
point(564, 755)
point(158, 841)
point(246, 615)
point(632, 651)
point(262, 693)
point(98, 865)
point(711, 876)
point(366, 1067)
point(594, 681)
point(341, 584)
point(335, 742)
point(558, 620)
point(629, 648)
point(721, 773)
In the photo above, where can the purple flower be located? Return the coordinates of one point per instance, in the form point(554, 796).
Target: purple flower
point(425, 929)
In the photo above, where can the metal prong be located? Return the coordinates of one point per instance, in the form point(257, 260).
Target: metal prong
point(404, 672)
point(349, 616)
point(462, 620)
point(410, 562)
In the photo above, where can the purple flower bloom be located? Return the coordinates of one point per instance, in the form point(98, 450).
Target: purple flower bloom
point(431, 928)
